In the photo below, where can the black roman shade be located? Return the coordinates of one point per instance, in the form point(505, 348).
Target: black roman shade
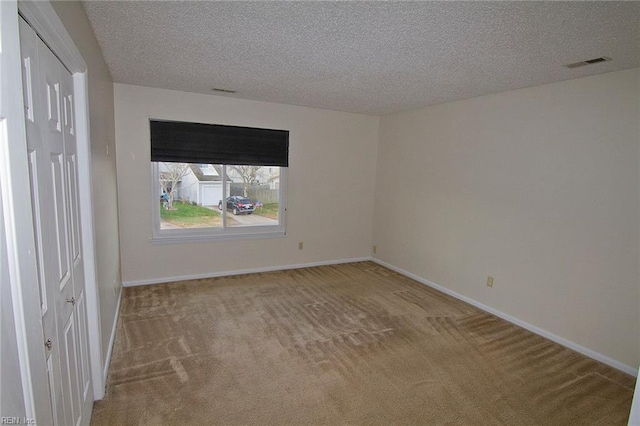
point(182, 142)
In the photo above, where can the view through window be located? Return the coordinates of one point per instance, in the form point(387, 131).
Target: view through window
point(218, 196)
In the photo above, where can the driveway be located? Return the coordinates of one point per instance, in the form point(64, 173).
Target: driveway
point(250, 220)
point(246, 219)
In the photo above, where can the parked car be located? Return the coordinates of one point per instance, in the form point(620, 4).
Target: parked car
point(238, 204)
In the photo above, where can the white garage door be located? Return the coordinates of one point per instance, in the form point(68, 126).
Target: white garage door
point(211, 194)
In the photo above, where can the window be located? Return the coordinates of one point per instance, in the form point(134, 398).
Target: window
point(241, 194)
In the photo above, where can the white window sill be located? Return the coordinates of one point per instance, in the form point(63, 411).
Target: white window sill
point(181, 237)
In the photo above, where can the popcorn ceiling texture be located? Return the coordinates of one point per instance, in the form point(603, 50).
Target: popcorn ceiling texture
point(367, 57)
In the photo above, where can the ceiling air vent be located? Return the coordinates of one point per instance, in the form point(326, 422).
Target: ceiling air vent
point(215, 89)
point(588, 62)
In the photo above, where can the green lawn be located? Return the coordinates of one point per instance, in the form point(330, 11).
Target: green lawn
point(185, 215)
point(269, 210)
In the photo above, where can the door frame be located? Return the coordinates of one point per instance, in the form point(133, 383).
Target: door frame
point(18, 212)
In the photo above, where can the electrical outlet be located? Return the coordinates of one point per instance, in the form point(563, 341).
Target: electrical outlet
point(300, 245)
point(375, 249)
point(490, 282)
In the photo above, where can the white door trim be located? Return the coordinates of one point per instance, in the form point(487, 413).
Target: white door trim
point(634, 416)
point(19, 236)
point(43, 18)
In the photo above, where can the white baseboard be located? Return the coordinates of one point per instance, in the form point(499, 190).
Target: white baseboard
point(241, 272)
point(112, 340)
point(546, 334)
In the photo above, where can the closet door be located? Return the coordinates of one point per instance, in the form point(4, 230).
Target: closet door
point(51, 146)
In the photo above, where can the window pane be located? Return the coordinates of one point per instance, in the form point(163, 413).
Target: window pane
point(254, 195)
point(189, 195)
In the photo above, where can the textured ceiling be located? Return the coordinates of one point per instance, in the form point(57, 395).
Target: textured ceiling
point(367, 57)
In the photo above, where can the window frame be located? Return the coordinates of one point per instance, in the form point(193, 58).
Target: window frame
point(168, 236)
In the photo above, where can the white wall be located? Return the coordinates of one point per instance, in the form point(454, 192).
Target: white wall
point(103, 165)
point(330, 187)
point(537, 187)
point(188, 189)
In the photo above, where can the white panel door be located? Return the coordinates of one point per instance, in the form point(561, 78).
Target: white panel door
point(40, 197)
point(51, 145)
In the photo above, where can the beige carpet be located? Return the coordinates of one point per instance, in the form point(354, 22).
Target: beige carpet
point(345, 344)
